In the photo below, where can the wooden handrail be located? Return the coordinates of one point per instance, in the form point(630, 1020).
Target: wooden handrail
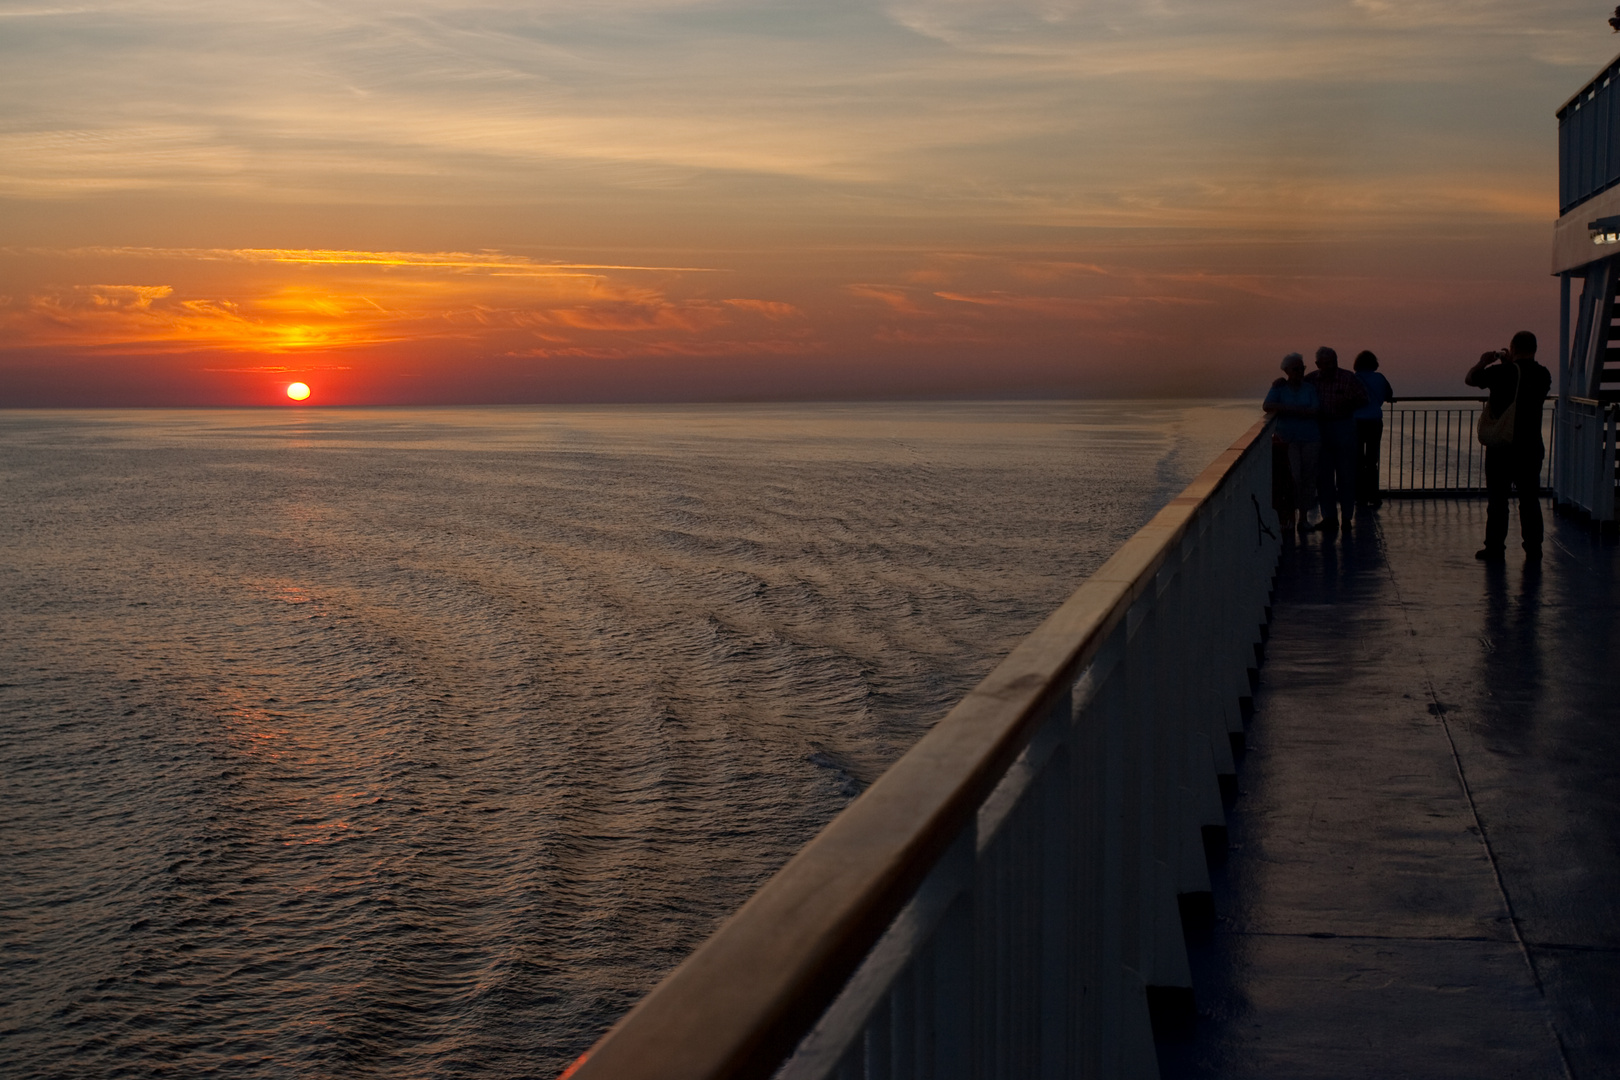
point(740, 1003)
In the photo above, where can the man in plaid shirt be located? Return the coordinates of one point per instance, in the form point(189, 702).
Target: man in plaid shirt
point(1341, 394)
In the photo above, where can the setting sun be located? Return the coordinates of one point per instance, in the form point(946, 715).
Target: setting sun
point(298, 391)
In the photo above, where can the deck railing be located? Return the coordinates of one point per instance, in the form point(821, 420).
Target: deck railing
point(1007, 899)
point(1430, 448)
point(1589, 141)
point(1585, 434)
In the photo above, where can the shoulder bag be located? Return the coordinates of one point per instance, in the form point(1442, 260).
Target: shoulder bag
point(1498, 430)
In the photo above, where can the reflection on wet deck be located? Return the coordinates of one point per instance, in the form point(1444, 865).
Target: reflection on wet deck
point(1425, 870)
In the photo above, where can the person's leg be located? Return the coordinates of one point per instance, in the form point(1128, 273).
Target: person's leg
point(1306, 467)
point(1296, 491)
point(1345, 436)
point(1527, 478)
point(1327, 477)
point(1369, 441)
point(1498, 479)
point(1375, 483)
point(1282, 479)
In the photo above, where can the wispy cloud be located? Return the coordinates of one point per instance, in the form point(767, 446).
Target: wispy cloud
point(278, 369)
point(1070, 306)
point(974, 105)
point(897, 298)
point(435, 260)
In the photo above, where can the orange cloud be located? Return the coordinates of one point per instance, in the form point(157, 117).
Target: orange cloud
point(1069, 306)
point(640, 317)
point(897, 299)
point(679, 349)
point(771, 309)
point(1050, 270)
point(91, 316)
point(344, 298)
point(438, 260)
point(277, 369)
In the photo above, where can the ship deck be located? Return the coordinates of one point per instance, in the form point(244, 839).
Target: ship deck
point(1424, 868)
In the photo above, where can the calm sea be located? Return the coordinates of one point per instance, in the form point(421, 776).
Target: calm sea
point(420, 742)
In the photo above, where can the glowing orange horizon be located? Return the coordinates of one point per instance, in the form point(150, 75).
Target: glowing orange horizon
point(353, 299)
point(386, 326)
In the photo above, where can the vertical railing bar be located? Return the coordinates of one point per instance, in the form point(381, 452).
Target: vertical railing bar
point(1408, 467)
point(1408, 470)
point(1393, 451)
point(1398, 454)
point(1470, 456)
point(1428, 473)
point(1401, 450)
point(1460, 446)
point(1387, 463)
point(1451, 450)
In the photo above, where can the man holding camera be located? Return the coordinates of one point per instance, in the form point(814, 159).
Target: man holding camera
point(1512, 460)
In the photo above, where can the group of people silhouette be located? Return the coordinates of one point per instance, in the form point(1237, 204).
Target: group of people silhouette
point(1329, 430)
point(1330, 425)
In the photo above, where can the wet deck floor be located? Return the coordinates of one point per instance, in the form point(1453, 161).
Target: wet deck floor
point(1424, 876)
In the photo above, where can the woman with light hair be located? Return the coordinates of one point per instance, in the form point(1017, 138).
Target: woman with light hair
point(1297, 438)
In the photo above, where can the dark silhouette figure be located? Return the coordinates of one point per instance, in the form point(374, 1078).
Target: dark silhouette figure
point(1614, 20)
point(1294, 443)
point(1341, 394)
point(1370, 429)
point(1515, 380)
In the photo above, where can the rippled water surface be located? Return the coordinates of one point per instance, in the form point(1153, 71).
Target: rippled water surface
point(420, 742)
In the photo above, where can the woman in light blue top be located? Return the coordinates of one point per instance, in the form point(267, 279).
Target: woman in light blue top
point(1296, 439)
point(1370, 429)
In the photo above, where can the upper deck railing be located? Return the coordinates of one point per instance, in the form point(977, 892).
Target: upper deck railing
point(1007, 899)
point(1589, 141)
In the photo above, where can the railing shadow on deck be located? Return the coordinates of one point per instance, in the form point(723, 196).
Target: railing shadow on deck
point(1009, 898)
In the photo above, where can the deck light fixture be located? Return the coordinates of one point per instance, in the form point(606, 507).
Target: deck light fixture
point(1604, 231)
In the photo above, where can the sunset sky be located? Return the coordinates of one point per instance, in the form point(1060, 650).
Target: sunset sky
point(644, 200)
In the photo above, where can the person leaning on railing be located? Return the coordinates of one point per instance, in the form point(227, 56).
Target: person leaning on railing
point(1296, 439)
point(1512, 460)
point(1370, 429)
